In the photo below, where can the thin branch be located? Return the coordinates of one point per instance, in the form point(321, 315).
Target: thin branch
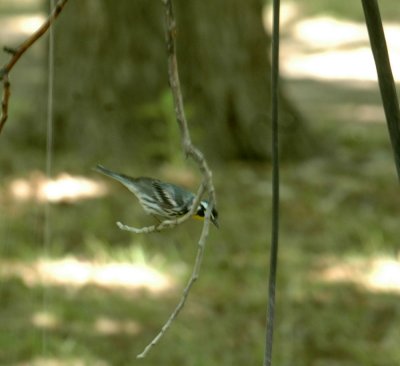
point(4, 100)
point(385, 77)
point(193, 278)
point(275, 186)
point(190, 151)
point(167, 224)
point(188, 147)
point(16, 54)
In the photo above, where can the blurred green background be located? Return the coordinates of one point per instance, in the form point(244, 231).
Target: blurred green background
point(94, 295)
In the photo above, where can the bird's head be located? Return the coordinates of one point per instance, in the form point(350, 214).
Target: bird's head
point(201, 211)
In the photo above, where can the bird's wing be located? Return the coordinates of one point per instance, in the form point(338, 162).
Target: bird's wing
point(164, 195)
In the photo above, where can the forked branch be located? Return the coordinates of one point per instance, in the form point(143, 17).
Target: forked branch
point(190, 151)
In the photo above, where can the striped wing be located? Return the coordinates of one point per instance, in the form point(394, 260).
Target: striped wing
point(174, 200)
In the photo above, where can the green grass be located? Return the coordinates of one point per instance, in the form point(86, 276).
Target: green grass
point(339, 205)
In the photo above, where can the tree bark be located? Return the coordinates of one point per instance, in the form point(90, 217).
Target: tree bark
point(112, 79)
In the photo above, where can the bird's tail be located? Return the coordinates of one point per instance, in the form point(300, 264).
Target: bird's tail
point(124, 179)
point(103, 170)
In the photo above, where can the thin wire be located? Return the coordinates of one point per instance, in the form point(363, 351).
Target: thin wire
point(275, 186)
point(49, 161)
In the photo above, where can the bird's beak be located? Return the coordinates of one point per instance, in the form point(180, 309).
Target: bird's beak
point(212, 219)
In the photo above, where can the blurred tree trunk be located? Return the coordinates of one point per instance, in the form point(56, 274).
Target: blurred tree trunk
point(112, 87)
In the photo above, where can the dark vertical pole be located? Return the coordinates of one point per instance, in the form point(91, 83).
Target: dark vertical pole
point(275, 186)
point(385, 76)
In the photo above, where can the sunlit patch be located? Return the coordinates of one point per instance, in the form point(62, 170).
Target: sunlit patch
point(21, 189)
point(378, 274)
point(364, 113)
point(107, 326)
point(327, 48)
point(29, 24)
point(289, 11)
point(385, 275)
point(17, 26)
point(69, 188)
point(102, 325)
point(64, 188)
point(353, 64)
point(78, 273)
point(335, 49)
point(44, 319)
point(327, 32)
point(66, 361)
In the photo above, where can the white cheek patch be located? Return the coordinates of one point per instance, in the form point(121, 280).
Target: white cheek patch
point(201, 210)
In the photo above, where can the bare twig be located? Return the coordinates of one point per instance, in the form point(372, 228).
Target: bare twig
point(4, 100)
point(188, 147)
point(16, 54)
point(166, 224)
point(193, 278)
point(190, 151)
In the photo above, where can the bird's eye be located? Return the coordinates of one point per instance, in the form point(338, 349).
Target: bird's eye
point(200, 211)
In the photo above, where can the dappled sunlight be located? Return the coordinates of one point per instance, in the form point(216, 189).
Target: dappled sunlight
point(69, 188)
point(385, 275)
point(108, 326)
point(52, 361)
point(73, 272)
point(362, 113)
point(45, 320)
point(326, 32)
point(327, 48)
point(18, 26)
point(380, 274)
point(335, 49)
point(64, 188)
point(102, 325)
point(353, 64)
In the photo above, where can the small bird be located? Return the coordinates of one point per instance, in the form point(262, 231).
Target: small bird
point(160, 198)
